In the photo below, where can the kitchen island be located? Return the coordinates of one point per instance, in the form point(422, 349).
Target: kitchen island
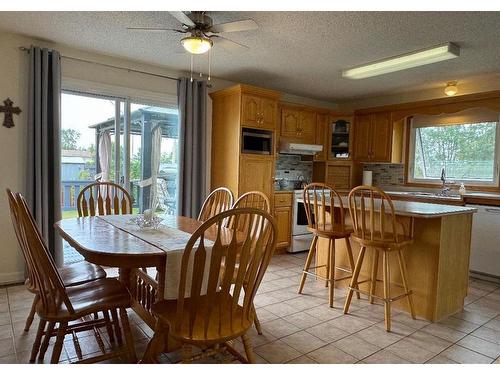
point(437, 260)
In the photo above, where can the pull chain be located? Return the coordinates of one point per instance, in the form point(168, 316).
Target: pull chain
point(209, 63)
point(191, 67)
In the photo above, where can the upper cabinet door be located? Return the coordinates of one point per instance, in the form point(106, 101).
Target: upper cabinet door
point(268, 113)
point(362, 138)
point(307, 126)
point(321, 137)
point(250, 111)
point(381, 137)
point(290, 119)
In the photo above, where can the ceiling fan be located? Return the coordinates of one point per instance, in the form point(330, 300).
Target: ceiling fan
point(203, 32)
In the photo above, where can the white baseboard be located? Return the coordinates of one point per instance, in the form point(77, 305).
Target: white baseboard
point(11, 278)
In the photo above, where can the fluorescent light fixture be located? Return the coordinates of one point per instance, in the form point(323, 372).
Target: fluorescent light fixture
point(409, 60)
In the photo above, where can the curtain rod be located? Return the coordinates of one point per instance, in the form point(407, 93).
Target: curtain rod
point(110, 66)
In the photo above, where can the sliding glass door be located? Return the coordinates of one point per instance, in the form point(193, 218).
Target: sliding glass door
point(142, 158)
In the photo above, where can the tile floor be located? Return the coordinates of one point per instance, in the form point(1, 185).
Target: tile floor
point(302, 329)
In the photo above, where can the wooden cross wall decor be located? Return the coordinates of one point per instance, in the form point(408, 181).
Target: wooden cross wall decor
point(9, 110)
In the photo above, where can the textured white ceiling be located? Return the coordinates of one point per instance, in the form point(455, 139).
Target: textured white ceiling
point(301, 53)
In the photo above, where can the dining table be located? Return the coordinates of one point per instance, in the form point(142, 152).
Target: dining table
point(141, 256)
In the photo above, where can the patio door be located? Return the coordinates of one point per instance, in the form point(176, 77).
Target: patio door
point(130, 142)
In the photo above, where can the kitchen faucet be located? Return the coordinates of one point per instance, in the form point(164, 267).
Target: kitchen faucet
point(444, 188)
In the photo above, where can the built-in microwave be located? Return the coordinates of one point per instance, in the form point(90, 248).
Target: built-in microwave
point(256, 141)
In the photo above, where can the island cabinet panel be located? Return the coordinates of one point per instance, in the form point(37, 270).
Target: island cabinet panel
point(373, 137)
point(256, 173)
point(437, 262)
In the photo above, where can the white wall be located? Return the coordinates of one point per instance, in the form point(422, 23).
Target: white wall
point(13, 84)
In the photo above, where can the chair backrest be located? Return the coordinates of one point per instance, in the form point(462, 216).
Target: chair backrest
point(252, 199)
point(324, 208)
point(41, 267)
point(219, 200)
point(369, 208)
point(236, 264)
point(103, 198)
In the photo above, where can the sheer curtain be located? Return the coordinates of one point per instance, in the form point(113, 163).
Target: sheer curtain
point(155, 165)
point(192, 102)
point(44, 126)
point(104, 155)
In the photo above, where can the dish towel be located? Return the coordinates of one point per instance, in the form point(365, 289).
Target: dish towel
point(173, 242)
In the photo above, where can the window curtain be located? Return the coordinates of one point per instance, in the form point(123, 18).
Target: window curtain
point(104, 155)
point(192, 102)
point(44, 114)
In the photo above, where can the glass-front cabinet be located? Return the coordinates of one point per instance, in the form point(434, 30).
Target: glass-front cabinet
point(340, 139)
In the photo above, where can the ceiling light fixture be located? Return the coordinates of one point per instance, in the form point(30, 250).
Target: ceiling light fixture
point(451, 88)
point(410, 60)
point(197, 45)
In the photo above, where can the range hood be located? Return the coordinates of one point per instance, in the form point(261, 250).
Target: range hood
point(287, 147)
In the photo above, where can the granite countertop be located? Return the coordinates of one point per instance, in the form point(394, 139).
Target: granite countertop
point(421, 210)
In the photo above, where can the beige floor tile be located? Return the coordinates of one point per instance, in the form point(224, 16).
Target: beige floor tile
point(303, 342)
point(9, 359)
point(441, 360)
point(459, 324)
point(407, 320)
point(280, 328)
point(4, 318)
point(331, 354)
point(262, 300)
point(6, 331)
point(277, 352)
point(379, 336)
point(258, 340)
point(350, 323)
point(481, 346)
point(444, 332)
point(493, 324)
point(407, 349)
point(265, 315)
point(356, 347)
point(397, 327)
point(487, 334)
point(6, 347)
point(327, 332)
point(303, 360)
point(303, 320)
point(305, 302)
point(472, 316)
point(464, 355)
point(429, 342)
point(282, 309)
point(385, 357)
point(324, 312)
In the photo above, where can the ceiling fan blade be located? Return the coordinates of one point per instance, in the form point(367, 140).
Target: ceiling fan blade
point(230, 27)
point(228, 43)
point(183, 18)
point(154, 29)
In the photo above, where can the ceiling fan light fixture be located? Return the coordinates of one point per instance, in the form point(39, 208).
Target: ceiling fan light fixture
point(451, 88)
point(197, 45)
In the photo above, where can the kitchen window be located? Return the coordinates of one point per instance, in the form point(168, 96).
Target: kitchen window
point(464, 144)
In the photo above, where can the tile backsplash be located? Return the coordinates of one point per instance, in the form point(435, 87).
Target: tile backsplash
point(385, 174)
point(295, 165)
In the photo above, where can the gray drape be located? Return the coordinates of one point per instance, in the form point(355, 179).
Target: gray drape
point(43, 175)
point(192, 102)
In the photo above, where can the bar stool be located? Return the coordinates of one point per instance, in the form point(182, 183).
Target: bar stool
point(325, 219)
point(369, 208)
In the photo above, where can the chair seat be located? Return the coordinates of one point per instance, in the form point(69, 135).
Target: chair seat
point(386, 244)
point(81, 272)
point(331, 231)
point(166, 311)
point(91, 297)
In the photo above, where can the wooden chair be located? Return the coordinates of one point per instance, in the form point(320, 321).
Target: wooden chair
point(103, 198)
point(212, 308)
point(375, 227)
point(219, 200)
point(73, 274)
point(325, 218)
point(252, 199)
point(62, 305)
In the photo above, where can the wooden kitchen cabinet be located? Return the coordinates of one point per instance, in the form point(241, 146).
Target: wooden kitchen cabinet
point(373, 137)
point(257, 173)
point(298, 124)
point(258, 112)
point(283, 216)
point(339, 175)
point(321, 138)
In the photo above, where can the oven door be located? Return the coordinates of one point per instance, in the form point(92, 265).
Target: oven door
point(299, 219)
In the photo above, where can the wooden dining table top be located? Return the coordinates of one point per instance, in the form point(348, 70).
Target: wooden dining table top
point(102, 243)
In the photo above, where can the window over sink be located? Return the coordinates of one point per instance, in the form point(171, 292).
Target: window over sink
point(465, 144)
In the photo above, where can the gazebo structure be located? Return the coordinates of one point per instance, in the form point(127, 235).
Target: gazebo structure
point(143, 122)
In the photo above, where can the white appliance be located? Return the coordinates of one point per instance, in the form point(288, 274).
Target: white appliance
point(301, 237)
point(299, 148)
point(485, 242)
